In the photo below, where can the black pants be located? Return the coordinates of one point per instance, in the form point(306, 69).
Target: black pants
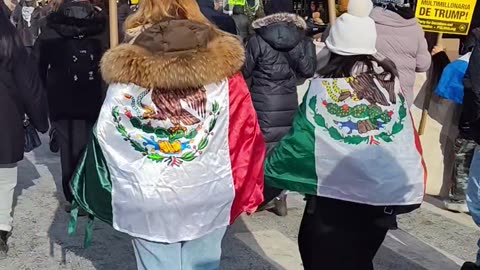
point(269, 192)
point(338, 235)
point(72, 136)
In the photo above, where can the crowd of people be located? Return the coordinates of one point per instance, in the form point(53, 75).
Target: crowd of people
point(194, 120)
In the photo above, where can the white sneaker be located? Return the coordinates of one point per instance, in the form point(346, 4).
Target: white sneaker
point(456, 205)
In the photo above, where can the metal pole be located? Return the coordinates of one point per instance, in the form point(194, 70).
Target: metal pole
point(332, 12)
point(113, 23)
point(428, 98)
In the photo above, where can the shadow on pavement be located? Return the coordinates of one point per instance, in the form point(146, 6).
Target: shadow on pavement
point(27, 172)
point(237, 255)
point(110, 249)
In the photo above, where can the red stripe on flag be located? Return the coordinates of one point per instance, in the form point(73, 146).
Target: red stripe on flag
point(418, 144)
point(247, 149)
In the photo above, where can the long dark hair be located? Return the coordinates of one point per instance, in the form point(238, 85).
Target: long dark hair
point(9, 40)
point(340, 66)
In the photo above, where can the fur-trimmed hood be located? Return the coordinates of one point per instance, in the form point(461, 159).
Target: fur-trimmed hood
point(175, 54)
point(280, 17)
point(282, 31)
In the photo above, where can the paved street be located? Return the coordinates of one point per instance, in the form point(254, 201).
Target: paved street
point(429, 238)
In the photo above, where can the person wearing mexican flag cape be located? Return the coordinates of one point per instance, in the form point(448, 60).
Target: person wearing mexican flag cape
point(353, 150)
point(177, 154)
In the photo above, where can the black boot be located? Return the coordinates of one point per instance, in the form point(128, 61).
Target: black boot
point(3, 244)
point(278, 206)
point(470, 266)
point(280, 203)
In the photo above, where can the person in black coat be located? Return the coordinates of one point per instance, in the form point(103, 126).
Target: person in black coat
point(124, 11)
point(21, 94)
point(69, 51)
point(222, 21)
point(469, 128)
point(278, 54)
point(469, 125)
point(278, 6)
point(244, 29)
point(27, 17)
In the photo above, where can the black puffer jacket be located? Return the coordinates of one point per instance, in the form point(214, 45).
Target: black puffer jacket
point(277, 55)
point(69, 51)
point(470, 118)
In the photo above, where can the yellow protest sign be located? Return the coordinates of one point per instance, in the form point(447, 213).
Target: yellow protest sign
point(445, 16)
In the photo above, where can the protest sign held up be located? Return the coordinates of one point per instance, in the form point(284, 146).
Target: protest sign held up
point(446, 16)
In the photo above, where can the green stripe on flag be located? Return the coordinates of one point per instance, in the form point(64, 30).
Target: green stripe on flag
point(91, 185)
point(291, 165)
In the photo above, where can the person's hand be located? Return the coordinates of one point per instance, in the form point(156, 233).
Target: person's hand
point(437, 49)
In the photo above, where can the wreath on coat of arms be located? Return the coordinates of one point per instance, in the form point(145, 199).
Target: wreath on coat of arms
point(176, 144)
point(361, 115)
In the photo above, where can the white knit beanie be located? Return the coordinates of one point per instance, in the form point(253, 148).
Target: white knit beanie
point(354, 32)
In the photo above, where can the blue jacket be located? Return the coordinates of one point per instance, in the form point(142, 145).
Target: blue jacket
point(451, 83)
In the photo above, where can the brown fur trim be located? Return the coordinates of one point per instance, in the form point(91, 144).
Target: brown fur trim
point(222, 58)
point(280, 17)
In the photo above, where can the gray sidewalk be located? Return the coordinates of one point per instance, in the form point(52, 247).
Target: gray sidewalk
point(428, 239)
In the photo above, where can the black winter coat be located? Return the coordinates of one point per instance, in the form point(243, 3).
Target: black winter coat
point(470, 118)
point(69, 51)
point(21, 93)
point(277, 55)
point(222, 21)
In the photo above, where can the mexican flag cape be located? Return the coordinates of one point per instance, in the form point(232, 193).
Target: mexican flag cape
point(352, 139)
point(162, 180)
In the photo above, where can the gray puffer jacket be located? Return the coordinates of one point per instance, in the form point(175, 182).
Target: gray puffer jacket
point(277, 54)
point(403, 42)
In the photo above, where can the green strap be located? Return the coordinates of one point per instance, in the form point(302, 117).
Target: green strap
point(72, 225)
point(89, 231)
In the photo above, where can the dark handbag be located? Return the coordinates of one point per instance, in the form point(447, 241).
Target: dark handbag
point(32, 140)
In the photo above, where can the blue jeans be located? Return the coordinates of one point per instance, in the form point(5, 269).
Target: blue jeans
point(473, 191)
point(199, 254)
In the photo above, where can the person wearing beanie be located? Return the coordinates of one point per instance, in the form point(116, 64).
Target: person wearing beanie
point(352, 150)
point(277, 55)
point(402, 40)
